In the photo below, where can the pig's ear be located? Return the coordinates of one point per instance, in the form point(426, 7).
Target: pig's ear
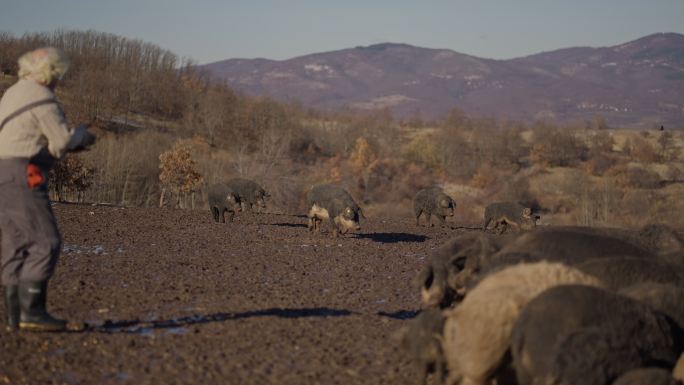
point(424, 278)
point(527, 212)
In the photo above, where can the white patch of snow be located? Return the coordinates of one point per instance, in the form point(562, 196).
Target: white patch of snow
point(279, 75)
point(670, 106)
point(315, 67)
point(411, 83)
point(384, 101)
point(598, 106)
point(441, 76)
point(545, 114)
point(585, 106)
point(322, 69)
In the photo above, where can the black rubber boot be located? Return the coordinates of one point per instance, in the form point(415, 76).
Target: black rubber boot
point(12, 307)
point(34, 315)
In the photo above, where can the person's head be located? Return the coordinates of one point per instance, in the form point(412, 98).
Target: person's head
point(44, 65)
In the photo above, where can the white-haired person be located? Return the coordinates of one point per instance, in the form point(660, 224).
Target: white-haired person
point(33, 135)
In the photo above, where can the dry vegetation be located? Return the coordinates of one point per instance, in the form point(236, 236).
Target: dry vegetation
point(166, 131)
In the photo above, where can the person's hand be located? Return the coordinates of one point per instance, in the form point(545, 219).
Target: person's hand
point(83, 137)
point(88, 139)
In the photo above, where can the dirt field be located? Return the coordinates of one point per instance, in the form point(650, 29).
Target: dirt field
point(171, 297)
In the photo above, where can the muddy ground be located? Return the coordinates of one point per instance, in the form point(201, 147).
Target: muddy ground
point(171, 297)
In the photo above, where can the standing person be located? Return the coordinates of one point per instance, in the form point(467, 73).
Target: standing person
point(33, 135)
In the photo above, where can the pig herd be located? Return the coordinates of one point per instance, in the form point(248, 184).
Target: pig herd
point(333, 203)
point(326, 202)
point(553, 305)
point(550, 305)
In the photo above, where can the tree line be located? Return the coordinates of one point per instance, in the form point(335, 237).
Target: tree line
point(168, 130)
point(117, 81)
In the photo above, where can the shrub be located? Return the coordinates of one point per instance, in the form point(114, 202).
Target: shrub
point(127, 167)
point(556, 147)
point(600, 142)
point(503, 147)
point(598, 164)
point(640, 149)
point(454, 153)
point(395, 180)
point(70, 175)
point(635, 177)
point(362, 155)
point(421, 150)
point(674, 174)
point(636, 208)
point(667, 146)
point(177, 171)
point(485, 177)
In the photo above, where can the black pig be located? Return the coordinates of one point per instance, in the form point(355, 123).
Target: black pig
point(221, 199)
point(249, 193)
point(509, 213)
point(433, 201)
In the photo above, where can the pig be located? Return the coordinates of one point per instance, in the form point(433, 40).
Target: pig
point(431, 201)
point(222, 198)
point(667, 298)
point(328, 201)
point(504, 214)
point(249, 193)
point(567, 244)
point(422, 339)
point(577, 334)
point(647, 376)
point(441, 281)
point(659, 239)
point(620, 272)
point(457, 266)
point(678, 371)
point(477, 332)
point(663, 240)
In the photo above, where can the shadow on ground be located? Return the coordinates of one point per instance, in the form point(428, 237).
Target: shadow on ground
point(141, 327)
point(393, 237)
point(289, 225)
point(401, 314)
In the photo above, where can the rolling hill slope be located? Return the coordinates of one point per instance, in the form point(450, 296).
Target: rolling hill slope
point(639, 83)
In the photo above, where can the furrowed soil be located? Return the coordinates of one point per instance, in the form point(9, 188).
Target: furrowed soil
point(171, 297)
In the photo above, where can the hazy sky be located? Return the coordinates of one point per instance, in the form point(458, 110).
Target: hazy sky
point(211, 30)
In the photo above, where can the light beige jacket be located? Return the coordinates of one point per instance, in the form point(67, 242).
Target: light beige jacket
point(24, 135)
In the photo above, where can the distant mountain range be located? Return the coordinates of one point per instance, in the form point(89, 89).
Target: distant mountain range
point(640, 83)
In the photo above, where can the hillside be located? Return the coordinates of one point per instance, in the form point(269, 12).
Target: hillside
point(163, 142)
point(638, 83)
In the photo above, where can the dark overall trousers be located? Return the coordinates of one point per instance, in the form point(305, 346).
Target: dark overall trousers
point(31, 242)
